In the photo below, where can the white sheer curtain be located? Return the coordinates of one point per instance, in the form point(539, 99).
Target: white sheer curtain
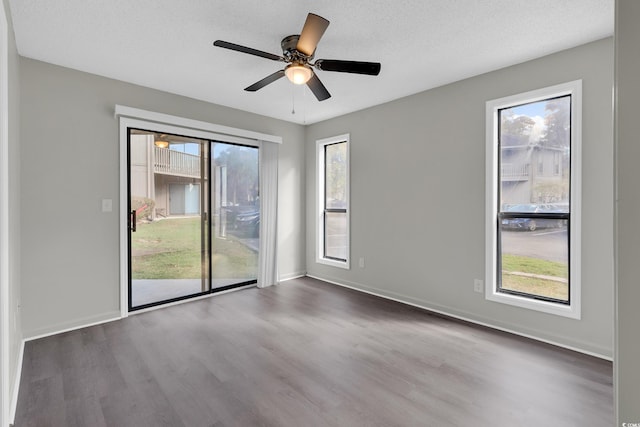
point(268, 257)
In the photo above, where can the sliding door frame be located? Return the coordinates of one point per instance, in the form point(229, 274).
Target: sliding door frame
point(205, 229)
point(163, 123)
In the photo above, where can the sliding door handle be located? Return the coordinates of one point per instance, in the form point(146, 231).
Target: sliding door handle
point(133, 221)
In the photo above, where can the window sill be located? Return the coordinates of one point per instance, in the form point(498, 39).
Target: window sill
point(571, 311)
point(333, 263)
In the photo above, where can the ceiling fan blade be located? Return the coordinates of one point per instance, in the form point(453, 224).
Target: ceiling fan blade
point(244, 49)
point(356, 67)
point(318, 88)
point(314, 28)
point(267, 80)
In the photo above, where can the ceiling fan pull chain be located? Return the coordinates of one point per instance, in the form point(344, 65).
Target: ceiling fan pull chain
point(293, 101)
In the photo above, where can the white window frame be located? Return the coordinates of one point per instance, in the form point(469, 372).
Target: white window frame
point(573, 309)
point(320, 258)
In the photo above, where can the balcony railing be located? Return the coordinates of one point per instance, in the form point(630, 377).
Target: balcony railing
point(170, 162)
point(514, 172)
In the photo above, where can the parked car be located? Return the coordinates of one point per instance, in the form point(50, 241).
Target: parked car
point(248, 223)
point(532, 224)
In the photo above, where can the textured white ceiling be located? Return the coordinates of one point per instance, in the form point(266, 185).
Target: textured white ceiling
point(167, 44)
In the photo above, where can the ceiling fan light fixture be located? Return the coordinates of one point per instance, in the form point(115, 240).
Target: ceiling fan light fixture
point(298, 74)
point(161, 144)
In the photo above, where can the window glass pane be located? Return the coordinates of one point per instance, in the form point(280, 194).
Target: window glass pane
point(535, 141)
point(336, 176)
point(335, 240)
point(236, 206)
point(535, 263)
point(168, 187)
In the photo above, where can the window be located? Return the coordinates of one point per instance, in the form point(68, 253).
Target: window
point(332, 221)
point(533, 219)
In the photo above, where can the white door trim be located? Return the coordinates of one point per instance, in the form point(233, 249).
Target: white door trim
point(161, 118)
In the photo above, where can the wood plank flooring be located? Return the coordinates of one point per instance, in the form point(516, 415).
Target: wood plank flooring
point(306, 353)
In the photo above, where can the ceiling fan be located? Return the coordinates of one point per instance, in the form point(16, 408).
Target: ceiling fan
point(298, 52)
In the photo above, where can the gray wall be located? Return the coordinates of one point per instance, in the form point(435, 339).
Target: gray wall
point(627, 359)
point(70, 161)
point(418, 197)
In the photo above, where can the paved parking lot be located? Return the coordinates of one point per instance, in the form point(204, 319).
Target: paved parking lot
point(547, 244)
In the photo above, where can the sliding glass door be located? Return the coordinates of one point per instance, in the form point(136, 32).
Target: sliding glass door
point(236, 206)
point(193, 220)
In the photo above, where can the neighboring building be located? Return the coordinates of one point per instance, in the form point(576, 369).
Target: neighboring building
point(534, 174)
point(169, 178)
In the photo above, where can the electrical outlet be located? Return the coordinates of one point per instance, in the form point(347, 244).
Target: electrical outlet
point(361, 262)
point(477, 285)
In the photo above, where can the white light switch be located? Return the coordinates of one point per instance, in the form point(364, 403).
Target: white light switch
point(107, 205)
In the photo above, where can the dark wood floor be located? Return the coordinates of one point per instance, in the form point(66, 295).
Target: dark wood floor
point(306, 353)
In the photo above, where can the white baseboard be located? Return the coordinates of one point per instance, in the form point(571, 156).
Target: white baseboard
point(291, 276)
point(16, 384)
point(109, 317)
point(444, 311)
point(72, 326)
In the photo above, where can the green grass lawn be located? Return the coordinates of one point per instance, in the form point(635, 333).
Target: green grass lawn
point(170, 249)
point(534, 285)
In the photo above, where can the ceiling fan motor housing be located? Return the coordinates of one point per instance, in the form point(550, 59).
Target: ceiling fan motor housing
point(290, 52)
